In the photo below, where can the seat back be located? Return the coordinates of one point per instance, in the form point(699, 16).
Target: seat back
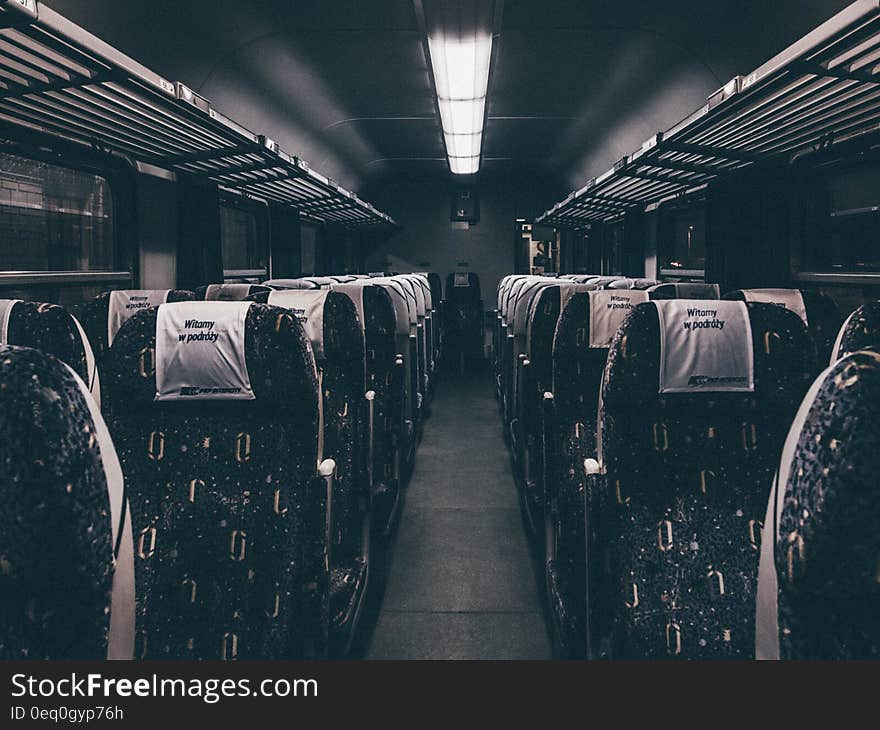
point(819, 312)
point(105, 314)
point(685, 290)
point(213, 408)
point(301, 283)
point(54, 331)
point(330, 319)
point(696, 402)
point(633, 284)
point(603, 282)
point(518, 329)
point(229, 292)
point(68, 577)
point(818, 596)
point(401, 303)
point(860, 331)
point(378, 317)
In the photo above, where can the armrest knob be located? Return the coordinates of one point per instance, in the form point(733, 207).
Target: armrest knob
point(591, 467)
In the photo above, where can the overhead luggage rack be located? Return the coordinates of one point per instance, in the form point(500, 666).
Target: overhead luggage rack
point(824, 88)
point(59, 79)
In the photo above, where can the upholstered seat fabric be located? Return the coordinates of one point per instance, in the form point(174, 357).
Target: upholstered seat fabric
point(686, 487)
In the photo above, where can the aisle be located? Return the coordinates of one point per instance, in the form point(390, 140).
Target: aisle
point(461, 584)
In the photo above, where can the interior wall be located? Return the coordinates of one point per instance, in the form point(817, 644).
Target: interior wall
point(157, 232)
point(428, 241)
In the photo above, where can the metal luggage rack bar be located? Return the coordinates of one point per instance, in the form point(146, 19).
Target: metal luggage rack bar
point(58, 79)
point(824, 88)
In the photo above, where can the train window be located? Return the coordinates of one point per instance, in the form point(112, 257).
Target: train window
point(682, 240)
point(849, 241)
point(612, 249)
point(57, 238)
point(244, 237)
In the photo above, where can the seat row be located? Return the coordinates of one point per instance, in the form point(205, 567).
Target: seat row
point(264, 434)
point(646, 421)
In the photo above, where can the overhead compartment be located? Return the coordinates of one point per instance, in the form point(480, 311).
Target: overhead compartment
point(57, 78)
point(823, 89)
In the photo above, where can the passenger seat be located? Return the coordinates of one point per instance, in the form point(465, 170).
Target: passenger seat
point(66, 569)
point(587, 325)
point(684, 290)
point(696, 400)
point(331, 321)
point(860, 331)
point(819, 312)
point(818, 592)
point(54, 331)
point(229, 292)
point(214, 410)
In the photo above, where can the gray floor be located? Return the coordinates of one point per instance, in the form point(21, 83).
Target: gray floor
point(461, 584)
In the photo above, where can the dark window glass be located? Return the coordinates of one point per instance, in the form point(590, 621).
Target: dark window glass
point(850, 240)
point(684, 247)
point(53, 218)
point(612, 256)
point(244, 240)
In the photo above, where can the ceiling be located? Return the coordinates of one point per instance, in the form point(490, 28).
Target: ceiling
point(344, 84)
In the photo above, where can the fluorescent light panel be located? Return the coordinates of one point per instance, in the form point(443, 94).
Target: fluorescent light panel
point(461, 74)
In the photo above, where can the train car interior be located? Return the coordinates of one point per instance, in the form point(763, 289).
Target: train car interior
point(439, 329)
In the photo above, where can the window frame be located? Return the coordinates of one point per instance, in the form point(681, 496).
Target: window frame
point(799, 249)
point(665, 213)
point(119, 176)
point(260, 208)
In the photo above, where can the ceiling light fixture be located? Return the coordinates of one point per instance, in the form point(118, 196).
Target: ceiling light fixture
point(461, 75)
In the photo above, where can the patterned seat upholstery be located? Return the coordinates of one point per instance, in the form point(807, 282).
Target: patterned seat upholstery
point(499, 337)
point(542, 322)
point(229, 292)
point(65, 595)
point(405, 411)
point(436, 285)
point(96, 315)
point(416, 295)
point(860, 331)
point(685, 290)
point(430, 345)
point(824, 319)
point(463, 309)
point(818, 594)
point(687, 481)
point(570, 438)
point(384, 380)
point(228, 515)
point(53, 330)
point(338, 346)
point(519, 328)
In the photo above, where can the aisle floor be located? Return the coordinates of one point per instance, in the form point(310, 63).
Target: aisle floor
point(461, 583)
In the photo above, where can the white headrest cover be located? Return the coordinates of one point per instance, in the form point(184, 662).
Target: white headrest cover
point(6, 306)
point(790, 299)
point(227, 292)
point(307, 305)
point(124, 305)
point(705, 345)
point(291, 283)
point(200, 351)
point(608, 309)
